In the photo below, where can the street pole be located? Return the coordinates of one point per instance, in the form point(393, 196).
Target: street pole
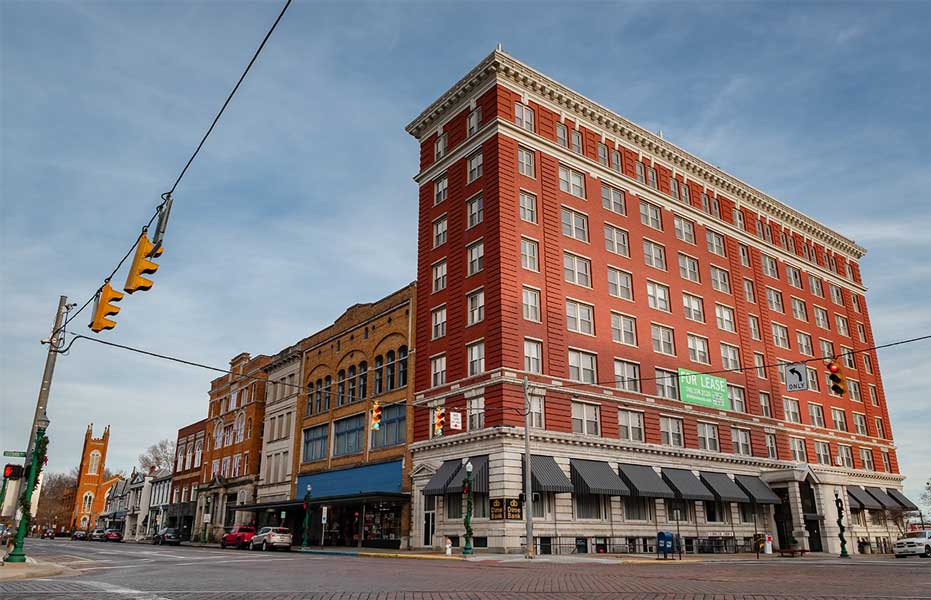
point(840, 524)
point(203, 539)
point(528, 491)
point(306, 514)
point(17, 555)
point(679, 532)
point(467, 548)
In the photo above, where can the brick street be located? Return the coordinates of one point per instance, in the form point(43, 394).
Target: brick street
point(141, 572)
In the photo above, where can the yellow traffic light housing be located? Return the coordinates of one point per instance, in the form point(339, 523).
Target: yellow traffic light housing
point(836, 378)
point(142, 265)
point(104, 308)
point(439, 420)
point(376, 415)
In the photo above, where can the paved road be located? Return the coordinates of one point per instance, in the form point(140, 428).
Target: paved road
point(142, 572)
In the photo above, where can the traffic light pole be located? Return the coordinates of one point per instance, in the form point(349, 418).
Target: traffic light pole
point(17, 555)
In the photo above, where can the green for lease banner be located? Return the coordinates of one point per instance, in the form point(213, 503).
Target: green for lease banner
point(704, 390)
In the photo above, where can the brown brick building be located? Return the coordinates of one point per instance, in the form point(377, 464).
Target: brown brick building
point(187, 477)
point(232, 445)
point(90, 495)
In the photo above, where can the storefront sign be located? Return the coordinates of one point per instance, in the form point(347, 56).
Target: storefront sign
point(323, 515)
point(705, 390)
point(496, 512)
point(455, 421)
point(514, 511)
point(206, 518)
point(283, 514)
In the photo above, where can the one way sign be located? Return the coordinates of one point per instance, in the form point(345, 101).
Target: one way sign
point(796, 377)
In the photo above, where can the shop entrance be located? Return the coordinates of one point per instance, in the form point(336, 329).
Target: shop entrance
point(429, 519)
point(372, 524)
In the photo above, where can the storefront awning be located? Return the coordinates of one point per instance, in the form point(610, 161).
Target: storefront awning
point(723, 487)
point(686, 485)
point(860, 499)
point(437, 484)
point(596, 477)
point(546, 476)
point(758, 490)
point(380, 478)
point(882, 497)
point(901, 499)
point(644, 482)
point(479, 476)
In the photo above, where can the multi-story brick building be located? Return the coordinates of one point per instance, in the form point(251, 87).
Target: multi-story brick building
point(187, 478)
point(91, 491)
point(359, 476)
point(232, 446)
point(562, 244)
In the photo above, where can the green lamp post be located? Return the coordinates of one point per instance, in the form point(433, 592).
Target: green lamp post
point(203, 537)
point(17, 555)
point(467, 491)
point(307, 515)
point(840, 524)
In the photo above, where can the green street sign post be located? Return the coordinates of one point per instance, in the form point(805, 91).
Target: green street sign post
point(704, 390)
point(14, 453)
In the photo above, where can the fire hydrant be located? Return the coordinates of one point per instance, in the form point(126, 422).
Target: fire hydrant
point(449, 547)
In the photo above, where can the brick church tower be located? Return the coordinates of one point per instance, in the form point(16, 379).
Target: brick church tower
point(91, 490)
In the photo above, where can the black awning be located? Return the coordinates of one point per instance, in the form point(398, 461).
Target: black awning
point(723, 487)
point(270, 505)
point(595, 477)
point(479, 476)
point(860, 498)
point(686, 485)
point(644, 482)
point(437, 484)
point(758, 490)
point(546, 476)
point(882, 497)
point(901, 499)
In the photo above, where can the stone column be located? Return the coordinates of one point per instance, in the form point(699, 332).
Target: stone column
point(824, 496)
point(798, 520)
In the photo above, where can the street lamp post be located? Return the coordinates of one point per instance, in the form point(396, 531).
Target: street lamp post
point(467, 490)
point(203, 537)
point(17, 555)
point(307, 515)
point(840, 524)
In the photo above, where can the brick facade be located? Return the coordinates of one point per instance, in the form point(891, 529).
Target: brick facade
point(90, 495)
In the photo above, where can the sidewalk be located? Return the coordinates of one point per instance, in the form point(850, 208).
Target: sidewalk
point(31, 569)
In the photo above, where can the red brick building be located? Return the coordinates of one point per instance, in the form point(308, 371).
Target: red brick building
point(187, 478)
point(561, 243)
point(90, 494)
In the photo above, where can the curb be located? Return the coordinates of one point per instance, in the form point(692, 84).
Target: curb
point(379, 554)
point(38, 570)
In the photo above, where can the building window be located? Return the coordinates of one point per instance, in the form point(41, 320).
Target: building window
point(771, 450)
point(454, 506)
point(393, 429)
point(790, 408)
point(439, 147)
point(389, 370)
point(474, 121)
point(667, 384)
point(715, 243)
point(694, 308)
point(476, 257)
point(839, 419)
point(708, 437)
point(476, 305)
point(475, 208)
point(720, 279)
point(529, 254)
point(794, 276)
point(572, 181)
point(582, 366)
point(533, 356)
point(580, 317)
point(658, 296)
point(813, 379)
point(730, 357)
point(438, 370)
point(698, 349)
point(769, 266)
point(880, 430)
point(536, 412)
point(438, 316)
point(589, 506)
point(626, 375)
point(603, 154)
point(759, 363)
point(780, 335)
point(674, 188)
point(866, 457)
point(623, 329)
point(613, 199)
point(774, 300)
point(663, 340)
point(671, 431)
point(836, 295)
point(577, 141)
point(744, 255)
point(867, 363)
point(577, 270)
point(740, 438)
point(749, 292)
point(620, 284)
point(475, 167)
point(476, 408)
point(799, 311)
point(725, 318)
point(754, 326)
point(476, 357)
point(685, 230)
point(654, 255)
point(822, 453)
point(574, 224)
point(887, 463)
point(439, 276)
point(439, 231)
point(616, 240)
point(816, 415)
point(846, 456)
point(523, 116)
point(651, 215)
point(651, 178)
point(525, 162)
point(348, 435)
point(528, 207)
point(616, 160)
point(821, 318)
point(859, 424)
point(638, 508)
point(842, 327)
point(736, 396)
point(531, 304)
point(586, 418)
point(562, 135)
point(688, 268)
point(804, 343)
point(765, 407)
point(93, 464)
point(630, 425)
point(799, 454)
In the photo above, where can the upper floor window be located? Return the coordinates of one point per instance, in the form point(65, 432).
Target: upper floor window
point(438, 370)
point(439, 147)
point(620, 284)
point(794, 276)
point(674, 188)
point(738, 219)
point(769, 266)
point(529, 254)
point(476, 257)
point(572, 181)
point(393, 428)
point(630, 425)
point(586, 418)
point(613, 199)
point(603, 155)
point(654, 254)
point(577, 141)
point(475, 208)
point(715, 242)
point(315, 443)
point(525, 162)
point(440, 189)
point(671, 432)
point(574, 224)
point(616, 240)
point(582, 366)
point(475, 166)
point(720, 279)
point(651, 177)
point(93, 463)
point(439, 276)
point(528, 207)
point(439, 231)
point(577, 270)
point(562, 135)
point(580, 317)
point(475, 120)
point(685, 230)
point(348, 435)
point(740, 438)
point(523, 116)
point(476, 306)
point(651, 215)
point(476, 358)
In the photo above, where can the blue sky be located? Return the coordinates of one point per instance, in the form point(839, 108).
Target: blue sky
point(302, 202)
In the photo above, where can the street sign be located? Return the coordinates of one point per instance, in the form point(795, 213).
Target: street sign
point(513, 509)
point(796, 377)
point(323, 515)
point(455, 421)
point(283, 514)
point(704, 390)
point(206, 518)
point(497, 509)
point(14, 453)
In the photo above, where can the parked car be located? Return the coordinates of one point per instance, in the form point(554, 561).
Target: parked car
point(98, 535)
point(79, 534)
point(269, 538)
point(238, 537)
point(915, 543)
point(48, 534)
point(167, 535)
point(113, 535)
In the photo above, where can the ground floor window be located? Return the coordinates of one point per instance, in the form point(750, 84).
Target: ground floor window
point(541, 505)
point(589, 506)
point(716, 512)
point(479, 506)
point(746, 512)
point(453, 506)
point(683, 506)
point(638, 509)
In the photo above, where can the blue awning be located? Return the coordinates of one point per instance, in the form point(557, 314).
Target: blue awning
point(382, 478)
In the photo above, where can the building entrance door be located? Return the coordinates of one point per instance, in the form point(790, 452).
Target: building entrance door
point(814, 535)
point(429, 520)
point(783, 518)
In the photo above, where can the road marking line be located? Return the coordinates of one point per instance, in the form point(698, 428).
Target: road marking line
point(116, 589)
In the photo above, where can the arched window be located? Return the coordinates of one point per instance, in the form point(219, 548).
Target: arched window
point(389, 370)
point(378, 374)
point(318, 397)
point(327, 390)
point(240, 427)
point(188, 456)
point(218, 435)
point(363, 379)
point(340, 388)
point(402, 366)
point(198, 453)
point(179, 458)
point(84, 521)
point(94, 462)
point(351, 388)
point(87, 501)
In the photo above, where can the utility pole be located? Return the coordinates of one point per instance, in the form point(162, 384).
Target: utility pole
point(40, 422)
point(528, 491)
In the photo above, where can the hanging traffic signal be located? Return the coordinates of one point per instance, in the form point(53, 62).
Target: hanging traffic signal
point(376, 415)
point(439, 420)
point(13, 472)
point(142, 265)
point(836, 378)
point(104, 308)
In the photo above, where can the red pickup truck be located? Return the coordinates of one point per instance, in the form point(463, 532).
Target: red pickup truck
point(238, 537)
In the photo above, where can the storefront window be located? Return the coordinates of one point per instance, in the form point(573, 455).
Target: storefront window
point(716, 512)
point(589, 506)
point(638, 509)
point(453, 506)
point(480, 506)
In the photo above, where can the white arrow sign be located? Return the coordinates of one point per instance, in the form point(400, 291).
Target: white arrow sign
point(796, 377)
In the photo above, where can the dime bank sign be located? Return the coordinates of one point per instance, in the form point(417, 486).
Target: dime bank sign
point(705, 390)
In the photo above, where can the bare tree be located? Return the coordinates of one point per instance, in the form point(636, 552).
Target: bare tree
point(160, 455)
point(56, 500)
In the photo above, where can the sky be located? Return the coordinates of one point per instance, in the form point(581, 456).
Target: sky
point(302, 202)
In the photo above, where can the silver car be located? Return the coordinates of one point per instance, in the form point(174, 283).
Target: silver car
point(269, 538)
point(915, 543)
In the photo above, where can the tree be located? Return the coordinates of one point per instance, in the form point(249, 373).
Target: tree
point(160, 455)
point(56, 500)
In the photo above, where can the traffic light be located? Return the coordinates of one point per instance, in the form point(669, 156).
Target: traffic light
point(142, 265)
point(13, 472)
point(104, 308)
point(376, 415)
point(836, 378)
point(439, 420)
